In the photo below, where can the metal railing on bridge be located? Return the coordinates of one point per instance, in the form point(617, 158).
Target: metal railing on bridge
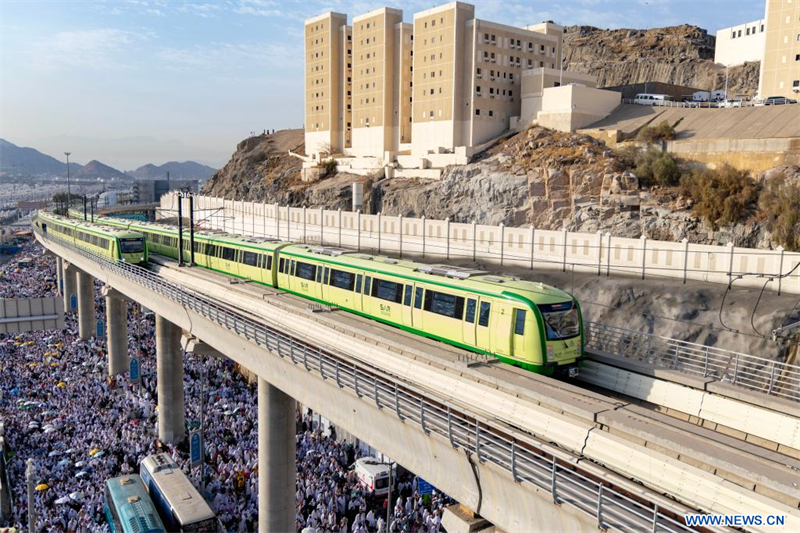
point(525, 461)
point(771, 377)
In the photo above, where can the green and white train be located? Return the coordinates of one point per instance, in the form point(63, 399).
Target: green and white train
point(524, 323)
point(108, 240)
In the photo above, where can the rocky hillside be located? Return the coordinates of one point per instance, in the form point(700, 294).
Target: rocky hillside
point(683, 55)
point(549, 179)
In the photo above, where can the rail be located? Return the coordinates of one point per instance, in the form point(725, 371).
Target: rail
point(771, 377)
point(525, 461)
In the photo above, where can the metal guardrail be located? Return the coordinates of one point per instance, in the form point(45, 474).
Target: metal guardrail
point(771, 377)
point(525, 461)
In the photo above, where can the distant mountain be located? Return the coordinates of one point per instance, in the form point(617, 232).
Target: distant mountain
point(96, 170)
point(19, 161)
point(177, 170)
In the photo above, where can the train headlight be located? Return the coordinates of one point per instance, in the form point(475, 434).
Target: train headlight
point(549, 351)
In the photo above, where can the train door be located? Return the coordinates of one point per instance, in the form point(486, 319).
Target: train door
point(357, 297)
point(408, 297)
point(483, 330)
point(469, 321)
point(518, 334)
point(501, 340)
point(417, 310)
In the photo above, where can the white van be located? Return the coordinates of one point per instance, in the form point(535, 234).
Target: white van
point(373, 475)
point(651, 99)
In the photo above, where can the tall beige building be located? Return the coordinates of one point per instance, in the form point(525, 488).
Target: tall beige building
point(780, 68)
point(383, 88)
point(375, 82)
point(467, 75)
point(325, 83)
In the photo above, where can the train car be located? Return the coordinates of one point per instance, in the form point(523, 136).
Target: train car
point(128, 506)
point(180, 505)
point(528, 324)
point(108, 241)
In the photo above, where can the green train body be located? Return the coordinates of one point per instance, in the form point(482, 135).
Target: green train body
point(108, 240)
point(524, 323)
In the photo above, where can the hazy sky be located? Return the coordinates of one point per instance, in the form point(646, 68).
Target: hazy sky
point(139, 81)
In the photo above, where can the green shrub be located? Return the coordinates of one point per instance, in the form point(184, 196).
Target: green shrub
point(654, 167)
point(662, 131)
point(627, 156)
point(721, 196)
point(330, 166)
point(780, 204)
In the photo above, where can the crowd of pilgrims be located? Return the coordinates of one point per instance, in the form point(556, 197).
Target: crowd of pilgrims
point(59, 407)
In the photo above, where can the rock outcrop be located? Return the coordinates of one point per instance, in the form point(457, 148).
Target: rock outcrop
point(681, 55)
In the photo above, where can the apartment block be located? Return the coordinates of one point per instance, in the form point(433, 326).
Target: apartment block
point(383, 88)
point(325, 83)
point(467, 75)
point(375, 83)
point(780, 68)
point(739, 44)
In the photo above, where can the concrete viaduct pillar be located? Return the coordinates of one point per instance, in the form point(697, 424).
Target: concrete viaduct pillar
point(169, 355)
point(117, 321)
point(86, 318)
point(60, 276)
point(276, 459)
point(68, 273)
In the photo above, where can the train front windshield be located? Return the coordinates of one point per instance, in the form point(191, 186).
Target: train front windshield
point(561, 320)
point(131, 246)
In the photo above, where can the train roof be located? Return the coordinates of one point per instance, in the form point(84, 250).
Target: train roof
point(134, 504)
point(457, 277)
point(94, 227)
point(187, 504)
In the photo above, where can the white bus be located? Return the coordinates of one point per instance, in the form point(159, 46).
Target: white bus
point(651, 99)
point(178, 502)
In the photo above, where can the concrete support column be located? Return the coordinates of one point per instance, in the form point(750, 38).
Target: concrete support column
point(68, 273)
point(276, 459)
point(86, 318)
point(169, 355)
point(59, 276)
point(117, 323)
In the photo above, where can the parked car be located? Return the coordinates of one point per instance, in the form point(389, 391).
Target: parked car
point(731, 103)
point(778, 100)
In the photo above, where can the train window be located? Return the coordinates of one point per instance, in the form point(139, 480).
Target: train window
point(359, 278)
point(387, 290)
point(418, 298)
point(367, 285)
point(228, 254)
point(211, 249)
point(293, 267)
point(483, 318)
point(471, 310)
point(444, 304)
point(327, 276)
point(319, 275)
point(519, 322)
point(269, 262)
point(407, 298)
point(250, 258)
point(343, 280)
point(306, 271)
point(281, 265)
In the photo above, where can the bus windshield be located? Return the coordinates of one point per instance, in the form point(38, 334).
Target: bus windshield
point(132, 246)
point(560, 320)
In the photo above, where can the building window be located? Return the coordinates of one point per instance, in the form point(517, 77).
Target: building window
point(796, 83)
point(477, 111)
point(491, 113)
point(478, 89)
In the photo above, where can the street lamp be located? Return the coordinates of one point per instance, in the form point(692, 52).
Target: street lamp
point(69, 192)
